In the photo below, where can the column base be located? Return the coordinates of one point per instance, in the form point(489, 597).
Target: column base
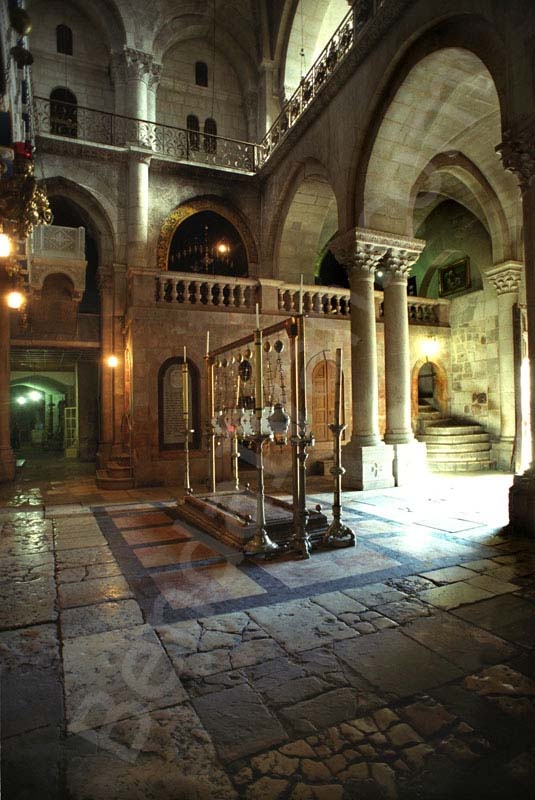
point(8, 464)
point(368, 467)
point(522, 505)
point(409, 462)
point(502, 453)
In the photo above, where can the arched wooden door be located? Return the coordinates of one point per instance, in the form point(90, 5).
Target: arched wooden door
point(323, 395)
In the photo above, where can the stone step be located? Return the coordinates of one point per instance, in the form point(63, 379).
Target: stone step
point(458, 451)
point(118, 470)
point(474, 438)
point(484, 465)
point(104, 481)
point(456, 456)
point(449, 429)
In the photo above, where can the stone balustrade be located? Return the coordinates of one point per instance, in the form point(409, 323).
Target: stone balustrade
point(57, 242)
point(222, 293)
point(215, 291)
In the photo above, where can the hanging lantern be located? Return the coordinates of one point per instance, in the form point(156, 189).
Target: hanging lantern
point(279, 422)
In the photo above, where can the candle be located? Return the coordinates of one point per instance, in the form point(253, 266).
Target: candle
point(257, 318)
point(301, 295)
point(207, 342)
point(338, 388)
point(238, 391)
point(185, 390)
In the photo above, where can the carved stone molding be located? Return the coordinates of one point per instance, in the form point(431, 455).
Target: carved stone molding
point(506, 277)
point(517, 152)
point(401, 257)
point(362, 249)
point(154, 76)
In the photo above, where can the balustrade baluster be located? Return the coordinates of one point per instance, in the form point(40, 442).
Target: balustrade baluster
point(196, 292)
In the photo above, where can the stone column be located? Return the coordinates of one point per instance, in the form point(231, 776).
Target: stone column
point(153, 81)
point(518, 155)
point(138, 207)
point(409, 455)
point(7, 458)
point(367, 460)
point(506, 279)
point(271, 105)
point(106, 288)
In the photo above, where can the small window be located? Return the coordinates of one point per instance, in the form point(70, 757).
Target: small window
point(63, 113)
point(201, 73)
point(192, 124)
point(64, 40)
point(210, 132)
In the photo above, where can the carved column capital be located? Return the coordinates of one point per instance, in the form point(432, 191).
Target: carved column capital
point(506, 277)
point(154, 76)
point(359, 250)
point(517, 152)
point(401, 256)
point(133, 64)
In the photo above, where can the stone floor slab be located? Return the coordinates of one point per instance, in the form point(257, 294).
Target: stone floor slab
point(453, 595)
point(507, 616)
point(100, 590)
point(238, 722)
point(300, 625)
point(117, 674)
point(396, 664)
point(85, 620)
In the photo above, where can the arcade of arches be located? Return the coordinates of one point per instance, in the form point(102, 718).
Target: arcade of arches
point(403, 195)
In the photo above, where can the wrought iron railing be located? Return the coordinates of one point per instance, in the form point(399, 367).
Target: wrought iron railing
point(102, 127)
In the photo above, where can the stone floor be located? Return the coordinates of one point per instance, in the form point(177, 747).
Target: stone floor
point(142, 660)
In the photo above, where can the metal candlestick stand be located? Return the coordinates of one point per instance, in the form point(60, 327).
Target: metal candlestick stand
point(260, 543)
point(338, 534)
point(299, 439)
point(185, 415)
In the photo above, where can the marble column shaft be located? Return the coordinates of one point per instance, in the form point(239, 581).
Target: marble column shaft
point(518, 155)
point(397, 349)
point(506, 279)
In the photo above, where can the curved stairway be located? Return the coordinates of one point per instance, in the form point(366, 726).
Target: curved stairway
point(456, 445)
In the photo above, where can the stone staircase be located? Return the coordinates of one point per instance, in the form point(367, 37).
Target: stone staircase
point(454, 445)
point(117, 474)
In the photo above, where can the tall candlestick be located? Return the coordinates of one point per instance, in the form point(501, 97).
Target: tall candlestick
point(185, 390)
point(338, 388)
point(207, 342)
point(257, 318)
point(301, 295)
point(185, 356)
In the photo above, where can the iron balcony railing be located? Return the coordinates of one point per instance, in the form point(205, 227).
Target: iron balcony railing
point(78, 122)
point(71, 121)
point(334, 53)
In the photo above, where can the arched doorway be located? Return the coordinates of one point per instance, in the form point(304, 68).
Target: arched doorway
point(427, 377)
point(323, 399)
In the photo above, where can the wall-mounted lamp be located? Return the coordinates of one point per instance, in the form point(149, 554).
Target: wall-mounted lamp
point(15, 299)
point(429, 347)
point(5, 245)
point(112, 361)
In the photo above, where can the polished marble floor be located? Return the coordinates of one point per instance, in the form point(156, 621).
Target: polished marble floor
point(142, 659)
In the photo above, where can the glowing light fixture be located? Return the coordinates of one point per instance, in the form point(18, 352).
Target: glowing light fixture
point(223, 248)
point(5, 245)
point(112, 361)
point(35, 395)
point(21, 401)
point(429, 347)
point(15, 299)
point(379, 273)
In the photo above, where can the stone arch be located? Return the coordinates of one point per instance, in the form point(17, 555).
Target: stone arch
point(443, 398)
point(452, 175)
point(476, 41)
point(307, 212)
point(206, 203)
